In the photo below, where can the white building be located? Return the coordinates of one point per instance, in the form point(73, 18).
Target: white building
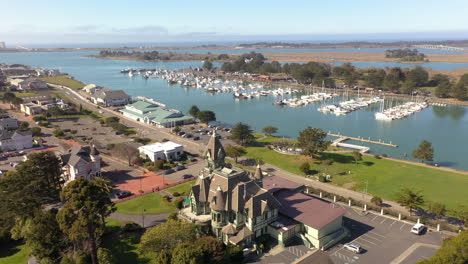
point(161, 151)
point(111, 97)
point(15, 140)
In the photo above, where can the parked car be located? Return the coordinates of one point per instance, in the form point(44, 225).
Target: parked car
point(196, 138)
point(180, 167)
point(187, 176)
point(169, 171)
point(418, 229)
point(188, 135)
point(353, 247)
point(123, 194)
point(181, 133)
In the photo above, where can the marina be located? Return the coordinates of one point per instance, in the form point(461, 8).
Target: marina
point(446, 127)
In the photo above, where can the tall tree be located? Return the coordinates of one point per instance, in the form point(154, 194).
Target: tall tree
point(443, 89)
point(391, 82)
point(242, 134)
point(424, 152)
point(459, 91)
point(454, 250)
point(312, 141)
point(235, 152)
point(357, 156)
point(194, 111)
point(409, 86)
point(410, 199)
point(125, 151)
point(206, 116)
point(213, 249)
point(166, 236)
point(208, 65)
point(82, 218)
point(270, 130)
point(418, 75)
point(187, 253)
point(42, 235)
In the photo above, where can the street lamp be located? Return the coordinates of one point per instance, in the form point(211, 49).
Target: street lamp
point(143, 217)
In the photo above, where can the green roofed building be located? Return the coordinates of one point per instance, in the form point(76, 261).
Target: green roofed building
point(153, 114)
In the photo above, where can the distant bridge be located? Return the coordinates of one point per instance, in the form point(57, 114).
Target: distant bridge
point(438, 47)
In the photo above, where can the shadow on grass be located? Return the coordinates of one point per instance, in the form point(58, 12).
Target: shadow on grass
point(368, 163)
point(9, 248)
point(124, 246)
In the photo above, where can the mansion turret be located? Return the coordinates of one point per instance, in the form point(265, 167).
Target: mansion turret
point(241, 206)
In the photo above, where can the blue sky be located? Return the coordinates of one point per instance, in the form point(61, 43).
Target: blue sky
point(100, 21)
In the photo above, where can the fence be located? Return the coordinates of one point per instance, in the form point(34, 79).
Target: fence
point(435, 224)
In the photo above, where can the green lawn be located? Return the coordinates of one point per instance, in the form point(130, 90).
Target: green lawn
point(385, 177)
point(65, 81)
point(153, 203)
point(182, 188)
point(124, 246)
point(25, 94)
point(16, 253)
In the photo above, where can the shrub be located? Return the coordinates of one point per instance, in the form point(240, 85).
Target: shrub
point(110, 146)
point(148, 164)
point(74, 131)
point(172, 216)
point(131, 227)
point(305, 167)
point(67, 130)
point(322, 178)
point(176, 194)
point(376, 156)
point(164, 140)
point(179, 202)
point(384, 155)
point(36, 131)
point(377, 200)
point(159, 164)
point(58, 132)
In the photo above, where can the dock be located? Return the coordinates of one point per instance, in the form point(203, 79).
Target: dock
point(344, 138)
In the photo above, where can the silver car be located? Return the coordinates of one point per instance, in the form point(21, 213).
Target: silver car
point(353, 247)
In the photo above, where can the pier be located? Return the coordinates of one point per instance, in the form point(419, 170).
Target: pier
point(342, 138)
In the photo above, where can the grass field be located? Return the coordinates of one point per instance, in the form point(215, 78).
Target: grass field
point(385, 177)
point(124, 246)
point(65, 81)
point(16, 253)
point(153, 203)
point(181, 188)
point(25, 94)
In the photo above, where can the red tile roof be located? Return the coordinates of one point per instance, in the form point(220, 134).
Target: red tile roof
point(311, 211)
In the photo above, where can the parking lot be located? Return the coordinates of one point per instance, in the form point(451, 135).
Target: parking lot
point(384, 240)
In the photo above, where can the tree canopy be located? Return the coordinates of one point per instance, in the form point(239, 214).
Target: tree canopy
point(312, 141)
point(206, 116)
point(82, 218)
point(235, 152)
point(242, 134)
point(410, 199)
point(270, 130)
point(424, 152)
point(454, 250)
point(194, 110)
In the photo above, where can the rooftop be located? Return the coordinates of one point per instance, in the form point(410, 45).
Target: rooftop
point(311, 211)
point(158, 146)
point(276, 183)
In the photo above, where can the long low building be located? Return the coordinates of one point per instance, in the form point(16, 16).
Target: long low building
point(162, 151)
point(153, 114)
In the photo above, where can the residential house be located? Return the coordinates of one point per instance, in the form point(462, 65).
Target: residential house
point(31, 109)
point(8, 122)
point(162, 151)
point(241, 207)
point(32, 84)
point(81, 162)
point(15, 140)
point(92, 88)
point(109, 97)
point(150, 113)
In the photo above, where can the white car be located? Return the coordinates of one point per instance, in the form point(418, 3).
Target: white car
point(353, 247)
point(417, 229)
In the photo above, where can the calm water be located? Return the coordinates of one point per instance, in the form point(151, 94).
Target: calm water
point(445, 127)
